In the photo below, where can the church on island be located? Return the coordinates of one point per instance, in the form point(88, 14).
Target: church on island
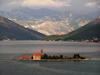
point(37, 56)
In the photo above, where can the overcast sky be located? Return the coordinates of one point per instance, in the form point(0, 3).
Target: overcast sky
point(79, 6)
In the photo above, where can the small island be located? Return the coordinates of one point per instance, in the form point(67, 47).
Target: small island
point(44, 57)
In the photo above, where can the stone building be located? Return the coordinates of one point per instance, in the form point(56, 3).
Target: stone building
point(22, 57)
point(28, 57)
point(37, 56)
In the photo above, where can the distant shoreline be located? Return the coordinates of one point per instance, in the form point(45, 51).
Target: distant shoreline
point(52, 41)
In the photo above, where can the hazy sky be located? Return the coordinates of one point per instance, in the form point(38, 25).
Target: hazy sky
point(80, 6)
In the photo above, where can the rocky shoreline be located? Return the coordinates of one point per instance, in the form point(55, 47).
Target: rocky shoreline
point(62, 59)
point(48, 59)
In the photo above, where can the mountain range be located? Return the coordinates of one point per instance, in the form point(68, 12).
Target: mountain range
point(47, 21)
point(89, 31)
point(12, 30)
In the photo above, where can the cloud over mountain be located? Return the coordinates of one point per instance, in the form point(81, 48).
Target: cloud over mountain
point(91, 4)
point(78, 6)
point(55, 3)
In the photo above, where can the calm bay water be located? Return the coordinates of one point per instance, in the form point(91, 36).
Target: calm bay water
point(14, 49)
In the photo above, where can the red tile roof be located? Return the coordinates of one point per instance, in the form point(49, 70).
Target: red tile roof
point(37, 53)
point(23, 56)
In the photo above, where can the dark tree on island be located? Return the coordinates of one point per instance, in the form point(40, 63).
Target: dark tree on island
point(61, 56)
point(78, 56)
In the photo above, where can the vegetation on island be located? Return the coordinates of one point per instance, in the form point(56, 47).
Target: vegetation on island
point(45, 56)
point(76, 56)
